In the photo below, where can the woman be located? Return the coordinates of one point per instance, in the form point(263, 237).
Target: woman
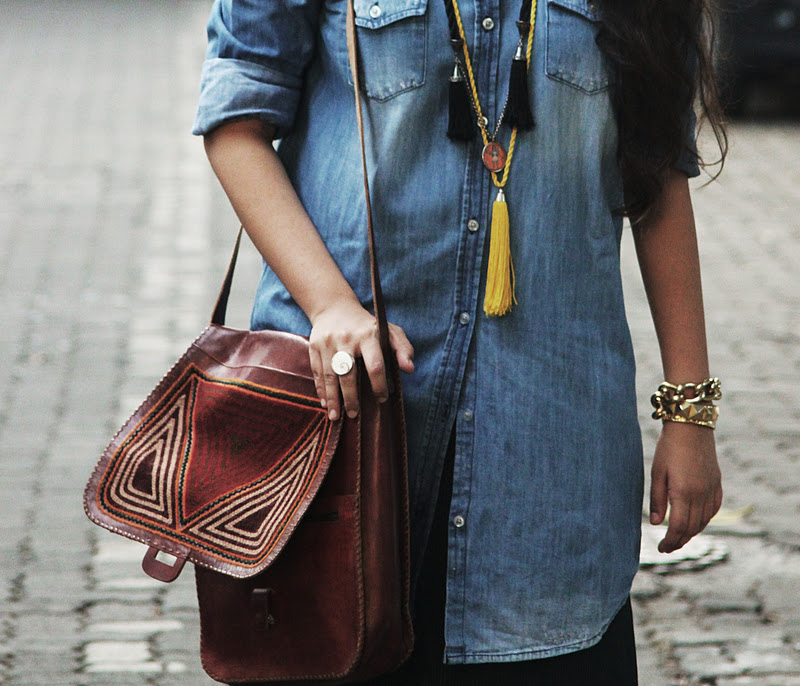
point(525, 462)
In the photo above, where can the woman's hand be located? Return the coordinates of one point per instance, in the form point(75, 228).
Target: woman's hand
point(686, 475)
point(347, 326)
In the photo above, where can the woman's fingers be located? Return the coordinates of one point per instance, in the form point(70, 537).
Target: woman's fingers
point(658, 494)
point(343, 363)
point(677, 531)
point(316, 369)
point(688, 516)
point(685, 474)
point(402, 347)
point(331, 382)
point(352, 330)
point(376, 369)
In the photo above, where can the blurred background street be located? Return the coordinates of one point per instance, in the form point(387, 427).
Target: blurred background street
point(113, 239)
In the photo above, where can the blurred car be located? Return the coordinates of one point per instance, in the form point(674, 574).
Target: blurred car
point(758, 39)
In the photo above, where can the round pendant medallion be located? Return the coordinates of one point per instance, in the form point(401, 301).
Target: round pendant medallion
point(494, 157)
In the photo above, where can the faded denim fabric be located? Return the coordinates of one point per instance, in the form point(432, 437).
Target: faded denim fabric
point(547, 494)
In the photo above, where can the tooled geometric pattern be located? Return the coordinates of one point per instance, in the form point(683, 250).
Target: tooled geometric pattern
point(218, 464)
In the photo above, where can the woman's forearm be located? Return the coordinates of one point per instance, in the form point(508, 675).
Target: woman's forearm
point(244, 160)
point(685, 474)
point(262, 195)
point(668, 258)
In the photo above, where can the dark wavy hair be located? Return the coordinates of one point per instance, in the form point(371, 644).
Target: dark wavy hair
point(661, 54)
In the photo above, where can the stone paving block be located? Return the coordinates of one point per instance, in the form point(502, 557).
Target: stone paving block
point(127, 569)
point(722, 602)
point(46, 631)
point(778, 593)
point(651, 672)
point(180, 646)
point(141, 583)
point(705, 662)
point(116, 679)
point(181, 595)
point(120, 582)
point(127, 628)
point(129, 609)
point(647, 585)
point(35, 666)
point(120, 656)
point(767, 661)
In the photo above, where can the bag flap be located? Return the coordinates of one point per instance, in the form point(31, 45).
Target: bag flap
point(220, 463)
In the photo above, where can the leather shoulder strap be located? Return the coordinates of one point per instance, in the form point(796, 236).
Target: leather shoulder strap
point(218, 317)
point(377, 292)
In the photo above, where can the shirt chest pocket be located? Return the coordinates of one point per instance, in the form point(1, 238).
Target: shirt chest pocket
point(392, 46)
point(572, 54)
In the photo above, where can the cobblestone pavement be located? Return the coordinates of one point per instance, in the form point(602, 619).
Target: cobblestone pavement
point(113, 236)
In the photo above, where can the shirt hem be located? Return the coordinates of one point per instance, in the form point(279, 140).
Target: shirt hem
point(478, 656)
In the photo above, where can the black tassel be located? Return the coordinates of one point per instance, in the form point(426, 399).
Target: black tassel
point(460, 126)
point(518, 110)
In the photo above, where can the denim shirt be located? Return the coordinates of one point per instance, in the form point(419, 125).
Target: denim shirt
point(547, 491)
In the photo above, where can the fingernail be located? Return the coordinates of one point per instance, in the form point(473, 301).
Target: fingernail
point(352, 414)
point(653, 518)
point(333, 415)
point(323, 402)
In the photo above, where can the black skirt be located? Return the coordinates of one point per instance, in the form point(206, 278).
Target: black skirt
point(611, 662)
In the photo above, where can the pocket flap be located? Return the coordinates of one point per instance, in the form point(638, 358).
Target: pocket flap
point(374, 14)
point(586, 8)
point(219, 464)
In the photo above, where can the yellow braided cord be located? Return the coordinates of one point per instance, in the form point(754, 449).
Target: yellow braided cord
point(497, 182)
point(500, 281)
point(530, 34)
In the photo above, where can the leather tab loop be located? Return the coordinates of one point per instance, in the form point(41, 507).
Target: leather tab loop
point(260, 604)
point(156, 563)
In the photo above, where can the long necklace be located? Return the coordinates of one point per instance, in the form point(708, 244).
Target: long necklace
point(464, 102)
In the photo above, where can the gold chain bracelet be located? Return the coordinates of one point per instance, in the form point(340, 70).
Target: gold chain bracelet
point(685, 402)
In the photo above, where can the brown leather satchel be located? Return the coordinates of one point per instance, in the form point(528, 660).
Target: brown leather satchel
point(298, 526)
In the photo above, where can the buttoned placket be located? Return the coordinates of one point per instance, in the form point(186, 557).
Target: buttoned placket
point(478, 190)
point(448, 386)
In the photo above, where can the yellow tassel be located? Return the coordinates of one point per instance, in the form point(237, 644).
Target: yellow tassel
point(500, 275)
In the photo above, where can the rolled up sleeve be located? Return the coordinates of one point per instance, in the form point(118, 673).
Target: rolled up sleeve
point(256, 58)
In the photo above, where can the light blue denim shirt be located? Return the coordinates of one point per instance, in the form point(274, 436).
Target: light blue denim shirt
point(547, 491)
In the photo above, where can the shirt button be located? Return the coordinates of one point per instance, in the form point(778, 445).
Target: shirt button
point(375, 11)
point(488, 24)
point(467, 415)
point(473, 225)
point(464, 317)
point(458, 520)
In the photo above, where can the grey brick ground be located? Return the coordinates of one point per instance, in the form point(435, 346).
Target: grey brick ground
point(113, 235)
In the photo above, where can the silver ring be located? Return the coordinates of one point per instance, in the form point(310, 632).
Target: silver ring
point(342, 363)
